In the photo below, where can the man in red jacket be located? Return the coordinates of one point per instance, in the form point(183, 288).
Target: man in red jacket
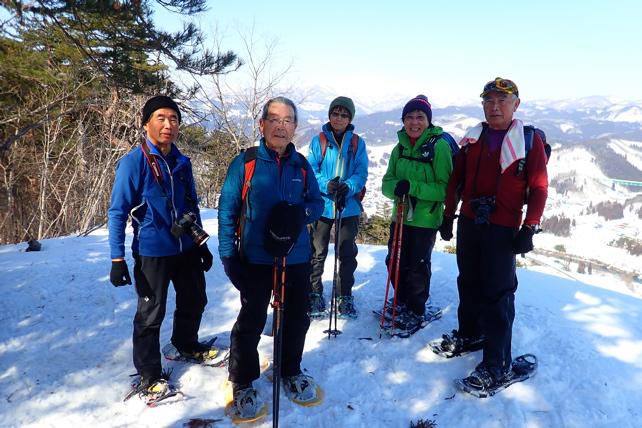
point(493, 175)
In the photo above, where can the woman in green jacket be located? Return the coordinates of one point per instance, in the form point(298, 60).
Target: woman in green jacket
point(418, 172)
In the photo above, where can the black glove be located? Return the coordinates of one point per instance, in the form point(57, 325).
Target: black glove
point(234, 270)
point(333, 185)
point(340, 196)
point(206, 257)
point(119, 274)
point(284, 225)
point(523, 241)
point(402, 188)
point(446, 228)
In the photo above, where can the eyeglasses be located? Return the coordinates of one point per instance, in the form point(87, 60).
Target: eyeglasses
point(500, 85)
point(341, 115)
point(283, 122)
point(502, 101)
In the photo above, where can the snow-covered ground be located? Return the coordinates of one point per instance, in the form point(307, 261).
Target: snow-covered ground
point(65, 350)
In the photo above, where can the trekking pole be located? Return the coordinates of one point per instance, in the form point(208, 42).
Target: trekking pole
point(278, 303)
point(397, 262)
point(333, 306)
point(393, 250)
point(401, 211)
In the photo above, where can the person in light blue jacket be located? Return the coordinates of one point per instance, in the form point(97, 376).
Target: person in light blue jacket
point(340, 163)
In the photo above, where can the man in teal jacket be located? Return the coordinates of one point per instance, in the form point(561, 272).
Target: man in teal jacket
point(418, 172)
point(341, 168)
point(282, 190)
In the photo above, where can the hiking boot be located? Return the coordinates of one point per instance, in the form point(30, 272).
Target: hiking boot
point(456, 344)
point(247, 403)
point(199, 352)
point(155, 388)
point(408, 320)
point(399, 309)
point(301, 388)
point(486, 377)
point(345, 307)
point(317, 304)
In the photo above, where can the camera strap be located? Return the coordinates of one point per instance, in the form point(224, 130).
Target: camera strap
point(153, 163)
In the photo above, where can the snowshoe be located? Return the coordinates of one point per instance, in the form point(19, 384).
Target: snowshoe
point(153, 392)
point(317, 306)
point(303, 390)
point(243, 404)
point(345, 308)
point(454, 345)
point(203, 353)
point(408, 323)
point(484, 382)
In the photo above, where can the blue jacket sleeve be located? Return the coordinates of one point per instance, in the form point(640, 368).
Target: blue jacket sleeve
point(358, 179)
point(125, 195)
point(313, 202)
point(229, 207)
point(315, 159)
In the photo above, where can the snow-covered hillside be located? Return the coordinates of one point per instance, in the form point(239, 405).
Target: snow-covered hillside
point(574, 164)
point(65, 350)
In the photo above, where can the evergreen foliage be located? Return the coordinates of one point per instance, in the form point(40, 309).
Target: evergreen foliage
point(374, 230)
point(610, 210)
point(632, 245)
point(557, 225)
point(73, 78)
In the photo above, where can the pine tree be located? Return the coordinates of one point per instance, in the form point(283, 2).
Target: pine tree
point(73, 78)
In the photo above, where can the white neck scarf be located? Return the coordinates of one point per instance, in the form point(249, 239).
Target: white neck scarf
point(513, 145)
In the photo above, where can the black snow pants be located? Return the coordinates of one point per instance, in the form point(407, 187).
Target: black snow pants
point(152, 276)
point(256, 291)
point(487, 283)
point(415, 267)
point(347, 253)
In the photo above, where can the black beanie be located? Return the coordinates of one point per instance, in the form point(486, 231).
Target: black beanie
point(160, 101)
point(420, 102)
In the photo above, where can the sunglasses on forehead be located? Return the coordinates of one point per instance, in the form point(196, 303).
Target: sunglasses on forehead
point(502, 85)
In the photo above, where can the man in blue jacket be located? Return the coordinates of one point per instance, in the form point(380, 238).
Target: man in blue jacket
point(154, 186)
point(281, 195)
point(340, 163)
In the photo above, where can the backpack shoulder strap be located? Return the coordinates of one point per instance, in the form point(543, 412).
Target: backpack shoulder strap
point(354, 144)
point(250, 165)
point(323, 140)
point(529, 132)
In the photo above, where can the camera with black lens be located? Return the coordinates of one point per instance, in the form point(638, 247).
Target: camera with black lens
point(187, 224)
point(483, 207)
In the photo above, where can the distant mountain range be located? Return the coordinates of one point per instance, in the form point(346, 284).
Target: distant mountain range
point(591, 123)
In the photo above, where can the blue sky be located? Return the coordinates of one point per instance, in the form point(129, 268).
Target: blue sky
point(446, 49)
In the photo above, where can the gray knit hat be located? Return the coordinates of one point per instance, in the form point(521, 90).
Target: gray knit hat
point(344, 102)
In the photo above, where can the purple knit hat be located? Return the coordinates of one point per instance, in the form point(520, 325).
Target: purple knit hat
point(420, 102)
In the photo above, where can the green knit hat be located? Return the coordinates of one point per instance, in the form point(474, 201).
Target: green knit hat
point(344, 102)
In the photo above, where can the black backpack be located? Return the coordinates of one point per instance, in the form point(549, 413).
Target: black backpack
point(428, 148)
